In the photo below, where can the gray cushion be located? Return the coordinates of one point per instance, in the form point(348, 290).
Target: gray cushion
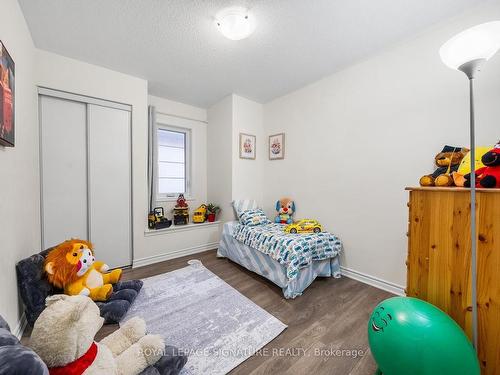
point(16, 359)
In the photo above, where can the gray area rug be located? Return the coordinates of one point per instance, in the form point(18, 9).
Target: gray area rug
point(211, 322)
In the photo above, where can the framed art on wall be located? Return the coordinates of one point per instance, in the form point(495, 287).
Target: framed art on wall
point(247, 146)
point(7, 72)
point(277, 146)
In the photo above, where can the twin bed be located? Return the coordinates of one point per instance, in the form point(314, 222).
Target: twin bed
point(291, 261)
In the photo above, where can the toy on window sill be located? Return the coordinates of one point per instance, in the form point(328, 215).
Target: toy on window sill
point(181, 202)
point(71, 266)
point(304, 226)
point(489, 175)
point(285, 208)
point(200, 214)
point(447, 162)
point(181, 211)
point(212, 211)
point(157, 219)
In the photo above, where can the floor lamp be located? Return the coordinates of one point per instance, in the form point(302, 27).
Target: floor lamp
point(467, 52)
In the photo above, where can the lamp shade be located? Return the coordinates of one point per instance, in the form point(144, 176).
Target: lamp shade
point(480, 42)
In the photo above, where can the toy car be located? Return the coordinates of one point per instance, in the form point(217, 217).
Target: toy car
point(304, 226)
point(157, 219)
point(200, 214)
point(181, 216)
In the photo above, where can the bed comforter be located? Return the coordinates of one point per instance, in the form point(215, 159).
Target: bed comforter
point(293, 251)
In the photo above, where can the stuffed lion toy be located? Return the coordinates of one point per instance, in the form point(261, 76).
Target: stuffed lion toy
point(71, 266)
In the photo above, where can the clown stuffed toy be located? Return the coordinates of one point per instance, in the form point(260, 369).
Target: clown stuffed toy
point(489, 175)
point(71, 266)
point(285, 208)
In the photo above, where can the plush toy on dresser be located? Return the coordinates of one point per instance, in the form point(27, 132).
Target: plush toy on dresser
point(285, 208)
point(71, 266)
point(489, 175)
point(447, 161)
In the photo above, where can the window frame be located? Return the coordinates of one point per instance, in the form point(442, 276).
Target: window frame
point(187, 162)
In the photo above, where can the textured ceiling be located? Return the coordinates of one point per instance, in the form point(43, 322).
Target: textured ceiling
point(176, 47)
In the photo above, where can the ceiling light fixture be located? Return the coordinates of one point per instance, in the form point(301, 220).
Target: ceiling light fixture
point(235, 23)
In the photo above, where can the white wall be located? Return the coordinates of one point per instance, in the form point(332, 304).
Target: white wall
point(247, 174)
point(19, 190)
point(219, 157)
point(62, 73)
point(180, 241)
point(185, 116)
point(230, 177)
point(74, 76)
point(355, 139)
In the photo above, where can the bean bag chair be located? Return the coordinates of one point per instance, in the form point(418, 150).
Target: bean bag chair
point(34, 288)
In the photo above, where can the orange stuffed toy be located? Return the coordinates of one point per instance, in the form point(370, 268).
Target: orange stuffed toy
point(71, 266)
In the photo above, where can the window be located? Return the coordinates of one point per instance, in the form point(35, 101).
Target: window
point(172, 162)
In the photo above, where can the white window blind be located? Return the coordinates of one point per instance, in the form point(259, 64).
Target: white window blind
point(172, 157)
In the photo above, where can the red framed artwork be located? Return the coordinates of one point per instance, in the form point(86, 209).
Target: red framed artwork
point(7, 88)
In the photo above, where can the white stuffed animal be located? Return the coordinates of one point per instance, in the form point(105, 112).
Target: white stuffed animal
point(63, 336)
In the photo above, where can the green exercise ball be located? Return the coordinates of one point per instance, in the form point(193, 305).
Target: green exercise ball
point(409, 336)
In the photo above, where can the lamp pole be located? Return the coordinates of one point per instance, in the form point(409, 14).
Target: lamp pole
point(467, 52)
point(470, 69)
point(473, 215)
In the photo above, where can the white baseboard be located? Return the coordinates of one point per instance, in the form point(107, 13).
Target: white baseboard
point(347, 272)
point(21, 325)
point(173, 254)
point(373, 281)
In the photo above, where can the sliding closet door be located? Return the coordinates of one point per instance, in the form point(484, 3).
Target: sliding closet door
point(109, 156)
point(63, 165)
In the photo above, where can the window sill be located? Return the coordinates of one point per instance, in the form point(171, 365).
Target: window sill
point(179, 228)
point(174, 199)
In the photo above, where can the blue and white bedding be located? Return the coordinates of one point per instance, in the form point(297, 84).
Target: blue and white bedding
point(271, 269)
point(293, 251)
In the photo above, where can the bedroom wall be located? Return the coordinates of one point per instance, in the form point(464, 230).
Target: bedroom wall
point(182, 115)
point(62, 73)
point(247, 174)
point(19, 190)
point(179, 241)
point(219, 156)
point(355, 139)
point(230, 177)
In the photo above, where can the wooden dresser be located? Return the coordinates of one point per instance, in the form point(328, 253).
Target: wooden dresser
point(439, 260)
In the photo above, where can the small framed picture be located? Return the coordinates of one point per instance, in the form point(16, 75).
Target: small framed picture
point(247, 146)
point(277, 146)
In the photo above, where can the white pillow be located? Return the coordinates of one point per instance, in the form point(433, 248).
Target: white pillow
point(242, 205)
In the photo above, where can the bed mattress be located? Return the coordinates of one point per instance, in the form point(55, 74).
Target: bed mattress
point(264, 265)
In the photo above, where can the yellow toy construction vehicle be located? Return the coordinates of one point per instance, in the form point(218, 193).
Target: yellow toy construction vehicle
point(200, 214)
point(304, 226)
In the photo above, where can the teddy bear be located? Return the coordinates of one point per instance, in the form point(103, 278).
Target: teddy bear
point(71, 266)
point(489, 175)
point(63, 337)
point(285, 208)
point(447, 162)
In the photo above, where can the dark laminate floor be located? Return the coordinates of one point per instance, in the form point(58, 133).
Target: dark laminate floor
point(332, 314)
